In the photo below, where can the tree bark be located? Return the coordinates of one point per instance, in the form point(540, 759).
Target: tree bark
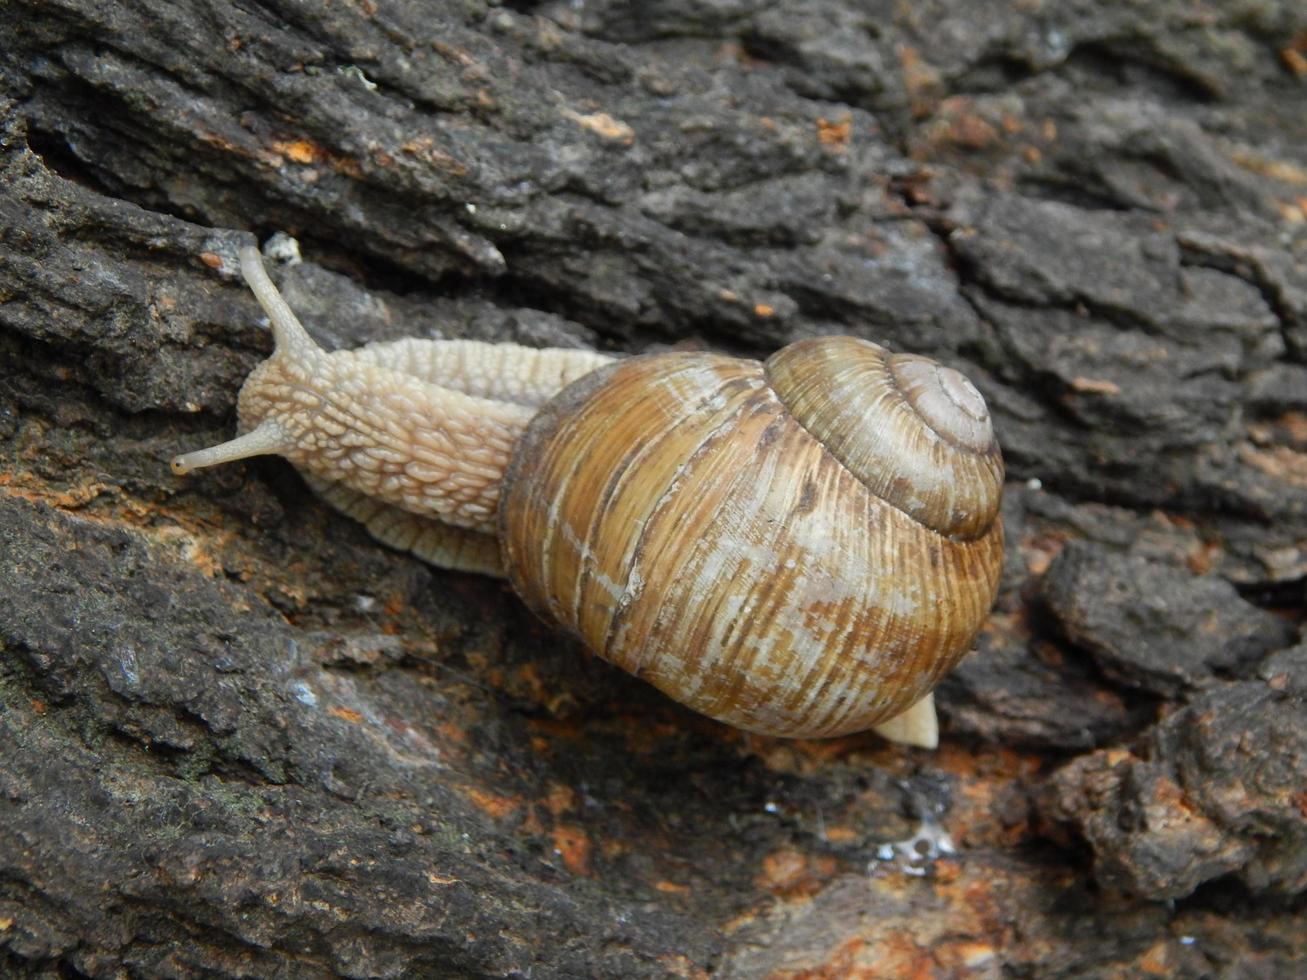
point(240, 738)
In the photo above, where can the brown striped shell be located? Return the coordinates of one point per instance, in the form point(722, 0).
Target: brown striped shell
point(801, 548)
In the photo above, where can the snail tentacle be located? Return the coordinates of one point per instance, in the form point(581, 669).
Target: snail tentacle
point(288, 334)
point(423, 426)
point(262, 440)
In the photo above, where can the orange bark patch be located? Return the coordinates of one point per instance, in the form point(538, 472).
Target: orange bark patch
point(300, 151)
point(1040, 550)
point(560, 799)
point(947, 872)
point(528, 676)
point(897, 955)
point(840, 964)
point(1294, 55)
point(791, 874)
point(493, 805)
point(1154, 962)
point(308, 153)
point(1281, 170)
point(972, 132)
point(965, 957)
point(782, 870)
point(572, 844)
point(681, 966)
point(70, 499)
point(1279, 462)
point(451, 733)
point(1095, 386)
point(1203, 557)
point(1300, 801)
point(345, 714)
point(603, 125)
point(671, 888)
point(835, 133)
point(840, 834)
point(424, 148)
point(990, 762)
point(1290, 427)
point(920, 79)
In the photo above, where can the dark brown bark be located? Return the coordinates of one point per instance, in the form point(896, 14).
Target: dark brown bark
point(241, 738)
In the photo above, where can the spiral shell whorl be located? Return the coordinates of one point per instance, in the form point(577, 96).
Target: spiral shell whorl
point(916, 433)
point(671, 513)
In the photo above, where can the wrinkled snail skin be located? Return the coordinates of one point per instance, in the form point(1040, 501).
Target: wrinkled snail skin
point(409, 437)
point(800, 548)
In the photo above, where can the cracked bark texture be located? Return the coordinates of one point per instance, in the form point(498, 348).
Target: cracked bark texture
point(240, 738)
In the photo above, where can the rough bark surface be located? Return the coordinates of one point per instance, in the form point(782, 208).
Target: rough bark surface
point(239, 738)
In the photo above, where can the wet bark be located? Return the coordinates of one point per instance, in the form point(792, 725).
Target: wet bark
point(241, 738)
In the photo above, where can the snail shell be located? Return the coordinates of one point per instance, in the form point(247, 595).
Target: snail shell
point(801, 548)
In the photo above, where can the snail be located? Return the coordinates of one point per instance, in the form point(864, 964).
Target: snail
point(801, 547)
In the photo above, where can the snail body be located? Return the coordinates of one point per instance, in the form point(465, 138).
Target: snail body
point(799, 548)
